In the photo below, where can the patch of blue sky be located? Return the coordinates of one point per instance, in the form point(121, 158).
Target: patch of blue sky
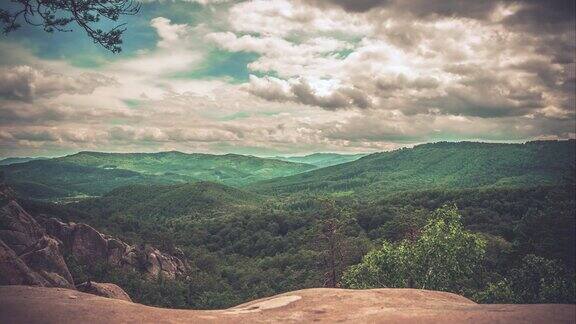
point(132, 103)
point(243, 115)
point(221, 64)
point(235, 116)
point(79, 50)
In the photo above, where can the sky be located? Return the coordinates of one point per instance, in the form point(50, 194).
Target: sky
point(285, 77)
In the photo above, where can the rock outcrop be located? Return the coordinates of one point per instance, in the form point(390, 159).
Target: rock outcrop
point(13, 271)
point(28, 253)
point(32, 251)
point(88, 245)
point(108, 290)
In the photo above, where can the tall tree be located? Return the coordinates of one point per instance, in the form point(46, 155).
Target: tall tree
point(332, 242)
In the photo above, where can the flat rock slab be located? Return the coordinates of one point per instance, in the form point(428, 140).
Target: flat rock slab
point(22, 304)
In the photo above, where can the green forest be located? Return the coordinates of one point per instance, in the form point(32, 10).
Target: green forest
point(493, 222)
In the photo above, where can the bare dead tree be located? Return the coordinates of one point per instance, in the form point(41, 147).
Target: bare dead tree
point(332, 243)
point(333, 254)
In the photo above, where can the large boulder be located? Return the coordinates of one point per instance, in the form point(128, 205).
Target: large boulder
point(45, 258)
point(18, 229)
point(20, 304)
point(108, 290)
point(29, 255)
point(88, 244)
point(13, 271)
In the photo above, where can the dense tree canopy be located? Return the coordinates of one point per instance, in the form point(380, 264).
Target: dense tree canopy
point(242, 252)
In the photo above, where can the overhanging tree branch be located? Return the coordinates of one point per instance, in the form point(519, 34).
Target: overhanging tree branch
point(57, 15)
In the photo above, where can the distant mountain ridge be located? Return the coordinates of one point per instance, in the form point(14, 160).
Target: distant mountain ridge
point(438, 165)
point(44, 179)
point(450, 165)
point(233, 169)
point(15, 160)
point(322, 160)
point(95, 173)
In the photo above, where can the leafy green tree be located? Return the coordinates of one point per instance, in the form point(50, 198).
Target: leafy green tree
point(385, 267)
point(445, 254)
point(442, 258)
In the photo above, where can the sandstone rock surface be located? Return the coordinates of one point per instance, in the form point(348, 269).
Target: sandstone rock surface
point(22, 304)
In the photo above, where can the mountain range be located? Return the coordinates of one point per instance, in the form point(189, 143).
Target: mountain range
point(436, 165)
point(15, 160)
point(95, 173)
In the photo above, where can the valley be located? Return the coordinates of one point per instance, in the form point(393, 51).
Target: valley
point(266, 228)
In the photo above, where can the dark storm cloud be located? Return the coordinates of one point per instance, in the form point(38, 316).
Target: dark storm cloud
point(25, 83)
point(354, 5)
point(544, 16)
point(341, 98)
point(464, 8)
point(485, 103)
point(300, 91)
point(546, 13)
point(20, 113)
point(535, 16)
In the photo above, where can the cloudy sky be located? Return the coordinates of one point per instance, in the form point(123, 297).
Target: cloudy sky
point(294, 76)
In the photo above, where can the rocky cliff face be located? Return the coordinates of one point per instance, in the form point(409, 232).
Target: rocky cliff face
point(27, 254)
point(32, 249)
point(88, 245)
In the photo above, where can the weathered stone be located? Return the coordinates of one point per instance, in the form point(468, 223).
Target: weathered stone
point(45, 258)
point(13, 271)
point(35, 257)
point(57, 229)
point(108, 290)
point(87, 244)
point(18, 229)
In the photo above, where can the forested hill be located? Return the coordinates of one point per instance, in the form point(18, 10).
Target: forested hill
point(15, 160)
point(232, 169)
point(201, 199)
point(95, 173)
point(438, 165)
